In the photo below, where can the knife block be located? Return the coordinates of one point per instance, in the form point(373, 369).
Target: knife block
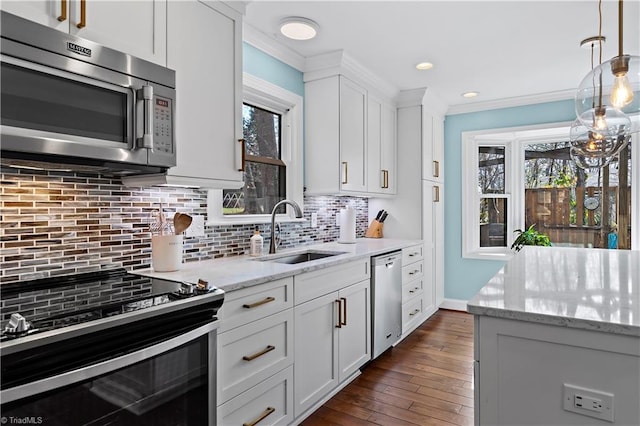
point(374, 230)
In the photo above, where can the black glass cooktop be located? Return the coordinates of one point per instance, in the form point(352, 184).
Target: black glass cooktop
point(53, 303)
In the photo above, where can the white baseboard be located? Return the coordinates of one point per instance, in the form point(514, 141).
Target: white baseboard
point(454, 304)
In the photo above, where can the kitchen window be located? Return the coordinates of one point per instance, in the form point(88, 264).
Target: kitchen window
point(516, 178)
point(272, 129)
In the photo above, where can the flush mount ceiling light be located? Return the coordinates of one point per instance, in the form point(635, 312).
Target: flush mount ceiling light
point(423, 66)
point(297, 28)
point(470, 94)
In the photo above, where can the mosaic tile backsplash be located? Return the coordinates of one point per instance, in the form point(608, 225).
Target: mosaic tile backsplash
point(61, 223)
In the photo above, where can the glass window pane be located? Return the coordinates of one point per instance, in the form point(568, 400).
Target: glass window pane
point(264, 186)
point(491, 169)
point(493, 222)
point(573, 206)
point(261, 130)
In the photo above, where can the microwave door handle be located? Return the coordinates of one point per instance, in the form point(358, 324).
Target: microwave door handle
point(145, 95)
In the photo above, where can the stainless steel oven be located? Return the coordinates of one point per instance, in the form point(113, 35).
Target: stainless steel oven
point(148, 360)
point(70, 101)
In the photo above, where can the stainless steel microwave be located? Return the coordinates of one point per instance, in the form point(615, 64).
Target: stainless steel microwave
point(67, 101)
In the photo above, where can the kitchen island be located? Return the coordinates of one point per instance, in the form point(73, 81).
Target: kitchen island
point(557, 339)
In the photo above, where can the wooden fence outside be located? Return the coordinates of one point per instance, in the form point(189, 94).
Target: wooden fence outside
point(552, 211)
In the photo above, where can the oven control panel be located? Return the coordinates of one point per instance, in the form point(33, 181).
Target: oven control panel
point(162, 125)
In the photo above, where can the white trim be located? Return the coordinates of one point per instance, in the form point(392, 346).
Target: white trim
point(635, 192)
point(267, 95)
point(454, 304)
point(272, 47)
point(511, 102)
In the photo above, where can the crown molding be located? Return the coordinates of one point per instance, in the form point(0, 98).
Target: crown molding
point(272, 47)
point(511, 102)
point(339, 62)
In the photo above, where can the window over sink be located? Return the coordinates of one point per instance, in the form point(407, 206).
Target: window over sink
point(272, 129)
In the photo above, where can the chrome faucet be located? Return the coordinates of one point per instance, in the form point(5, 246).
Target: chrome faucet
point(273, 245)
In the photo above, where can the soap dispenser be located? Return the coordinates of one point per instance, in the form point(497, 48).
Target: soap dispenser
point(255, 243)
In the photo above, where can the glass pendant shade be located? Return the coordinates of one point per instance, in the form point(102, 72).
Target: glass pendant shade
point(613, 85)
point(598, 144)
point(587, 162)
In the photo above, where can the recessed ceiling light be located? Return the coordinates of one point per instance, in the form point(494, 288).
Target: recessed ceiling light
point(470, 94)
point(298, 28)
point(424, 66)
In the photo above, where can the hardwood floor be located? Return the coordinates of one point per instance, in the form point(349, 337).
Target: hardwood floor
point(426, 380)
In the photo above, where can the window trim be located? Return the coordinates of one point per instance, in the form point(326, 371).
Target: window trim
point(514, 139)
point(266, 95)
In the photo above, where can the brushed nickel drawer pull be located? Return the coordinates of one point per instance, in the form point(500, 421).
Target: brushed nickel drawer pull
point(262, 302)
point(415, 271)
point(436, 168)
point(258, 354)
point(261, 417)
point(83, 14)
point(414, 312)
point(63, 11)
point(436, 194)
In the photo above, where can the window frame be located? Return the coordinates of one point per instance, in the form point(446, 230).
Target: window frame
point(263, 94)
point(514, 140)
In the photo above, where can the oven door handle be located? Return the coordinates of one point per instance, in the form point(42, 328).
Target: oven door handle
point(98, 369)
point(145, 101)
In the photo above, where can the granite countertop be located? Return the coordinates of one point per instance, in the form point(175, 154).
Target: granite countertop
point(592, 289)
point(234, 273)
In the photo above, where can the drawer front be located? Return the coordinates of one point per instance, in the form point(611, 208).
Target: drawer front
point(412, 272)
point(268, 403)
point(249, 354)
point(252, 303)
point(412, 254)
point(411, 313)
point(412, 289)
point(324, 281)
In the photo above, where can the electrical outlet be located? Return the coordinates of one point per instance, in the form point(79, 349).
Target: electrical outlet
point(588, 402)
point(197, 227)
point(314, 220)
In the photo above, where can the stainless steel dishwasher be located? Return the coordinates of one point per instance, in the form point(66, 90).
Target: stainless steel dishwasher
point(386, 289)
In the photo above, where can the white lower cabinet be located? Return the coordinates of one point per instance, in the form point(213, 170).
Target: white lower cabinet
point(416, 294)
point(268, 403)
point(332, 342)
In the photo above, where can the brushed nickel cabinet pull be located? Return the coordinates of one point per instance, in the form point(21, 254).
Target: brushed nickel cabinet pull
point(339, 302)
point(386, 179)
point(261, 417)
point(345, 178)
point(415, 271)
point(261, 302)
point(258, 354)
point(83, 14)
point(63, 11)
point(436, 168)
point(344, 310)
point(383, 178)
point(242, 154)
point(414, 312)
point(436, 194)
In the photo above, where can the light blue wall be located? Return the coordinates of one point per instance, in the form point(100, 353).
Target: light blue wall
point(266, 67)
point(464, 277)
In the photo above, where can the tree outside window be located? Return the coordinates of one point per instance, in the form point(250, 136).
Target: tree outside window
point(264, 170)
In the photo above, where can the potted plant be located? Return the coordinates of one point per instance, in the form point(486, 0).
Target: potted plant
point(530, 237)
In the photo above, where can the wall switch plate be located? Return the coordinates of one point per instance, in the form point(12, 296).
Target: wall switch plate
point(197, 227)
point(588, 402)
point(314, 220)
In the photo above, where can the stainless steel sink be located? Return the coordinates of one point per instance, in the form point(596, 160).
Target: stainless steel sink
point(306, 256)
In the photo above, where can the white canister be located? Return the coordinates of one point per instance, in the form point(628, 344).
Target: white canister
point(166, 252)
point(347, 222)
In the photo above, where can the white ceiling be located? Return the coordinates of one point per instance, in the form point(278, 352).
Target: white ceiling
point(502, 49)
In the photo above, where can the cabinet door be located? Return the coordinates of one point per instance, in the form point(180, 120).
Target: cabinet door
point(388, 147)
point(353, 138)
point(316, 351)
point(433, 236)
point(138, 28)
point(381, 146)
point(355, 330)
point(45, 12)
point(204, 47)
point(432, 146)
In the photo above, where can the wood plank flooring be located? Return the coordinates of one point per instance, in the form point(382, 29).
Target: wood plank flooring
point(426, 380)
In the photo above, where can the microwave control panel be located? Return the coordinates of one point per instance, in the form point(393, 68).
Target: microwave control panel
point(162, 125)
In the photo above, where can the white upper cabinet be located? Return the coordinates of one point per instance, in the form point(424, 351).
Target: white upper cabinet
point(382, 150)
point(433, 140)
point(350, 130)
point(138, 28)
point(205, 50)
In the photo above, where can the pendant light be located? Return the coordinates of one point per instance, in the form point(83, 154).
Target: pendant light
point(612, 88)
